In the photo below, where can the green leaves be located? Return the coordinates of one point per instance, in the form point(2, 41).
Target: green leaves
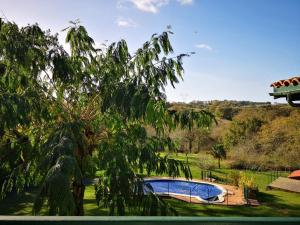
point(128, 83)
point(218, 151)
point(152, 205)
point(121, 53)
point(56, 189)
point(125, 155)
point(61, 167)
point(80, 42)
point(2, 69)
point(90, 103)
point(187, 119)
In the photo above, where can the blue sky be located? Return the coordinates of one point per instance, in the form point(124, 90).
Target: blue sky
point(241, 45)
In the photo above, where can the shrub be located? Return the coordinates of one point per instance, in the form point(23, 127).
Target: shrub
point(248, 182)
point(206, 163)
point(234, 178)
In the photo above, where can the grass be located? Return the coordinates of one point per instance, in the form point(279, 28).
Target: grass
point(273, 202)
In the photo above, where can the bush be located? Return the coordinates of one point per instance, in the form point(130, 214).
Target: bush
point(234, 178)
point(248, 182)
point(90, 164)
point(241, 179)
point(253, 192)
point(206, 163)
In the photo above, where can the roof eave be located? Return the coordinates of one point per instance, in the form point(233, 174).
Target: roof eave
point(291, 93)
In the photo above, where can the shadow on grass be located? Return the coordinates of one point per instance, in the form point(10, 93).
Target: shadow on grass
point(220, 171)
point(18, 203)
point(273, 203)
point(271, 206)
point(272, 200)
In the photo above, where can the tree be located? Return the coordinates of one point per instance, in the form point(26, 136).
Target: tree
point(68, 107)
point(190, 136)
point(192, 120)
point(240, 130)
point(218, 152)
point(196, 138)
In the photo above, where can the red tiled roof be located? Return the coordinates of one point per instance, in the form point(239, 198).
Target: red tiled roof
point(292, 81)
point(295, 174)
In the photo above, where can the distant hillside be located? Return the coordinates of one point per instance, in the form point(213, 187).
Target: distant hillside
point(257, 135)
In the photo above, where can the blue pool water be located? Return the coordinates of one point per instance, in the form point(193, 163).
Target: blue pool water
point(203, 190)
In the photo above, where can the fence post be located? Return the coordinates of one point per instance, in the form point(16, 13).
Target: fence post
point(227, 196)
point(246, 194)
point(208, 195)
point(272, 175)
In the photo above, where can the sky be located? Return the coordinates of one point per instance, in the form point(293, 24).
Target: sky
point(241, 46)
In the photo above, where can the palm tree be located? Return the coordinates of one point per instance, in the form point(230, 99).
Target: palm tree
point(218, 152)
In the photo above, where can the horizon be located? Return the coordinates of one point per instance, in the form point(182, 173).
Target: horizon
point(241, 47)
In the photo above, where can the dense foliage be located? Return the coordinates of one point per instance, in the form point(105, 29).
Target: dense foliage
point(257, 136)
point(265, 138)
point(66, 113)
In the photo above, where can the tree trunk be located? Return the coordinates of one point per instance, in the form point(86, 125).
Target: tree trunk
point(78, 186)
point(219, 163)
point(78, 193)
point(190, 145)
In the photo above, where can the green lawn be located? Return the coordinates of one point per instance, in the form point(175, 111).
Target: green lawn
point(274, 203)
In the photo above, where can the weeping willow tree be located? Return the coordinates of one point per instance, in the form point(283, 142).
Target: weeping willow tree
point(58, 108)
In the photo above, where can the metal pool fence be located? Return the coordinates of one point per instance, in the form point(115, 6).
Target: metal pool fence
point(188, 193)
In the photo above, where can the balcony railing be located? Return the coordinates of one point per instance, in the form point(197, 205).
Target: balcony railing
point(114, 220)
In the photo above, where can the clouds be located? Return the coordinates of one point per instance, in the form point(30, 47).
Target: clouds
point(151, 6)
point(204, 46)
point(185, 2)
point(121, 22)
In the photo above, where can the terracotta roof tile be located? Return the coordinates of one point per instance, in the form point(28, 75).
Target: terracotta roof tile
point(292, 81)
point(295, 174)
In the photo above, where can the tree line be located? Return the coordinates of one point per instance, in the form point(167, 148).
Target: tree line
point(255, 135)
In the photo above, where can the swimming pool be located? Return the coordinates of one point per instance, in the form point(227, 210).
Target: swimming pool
point(204, 192)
